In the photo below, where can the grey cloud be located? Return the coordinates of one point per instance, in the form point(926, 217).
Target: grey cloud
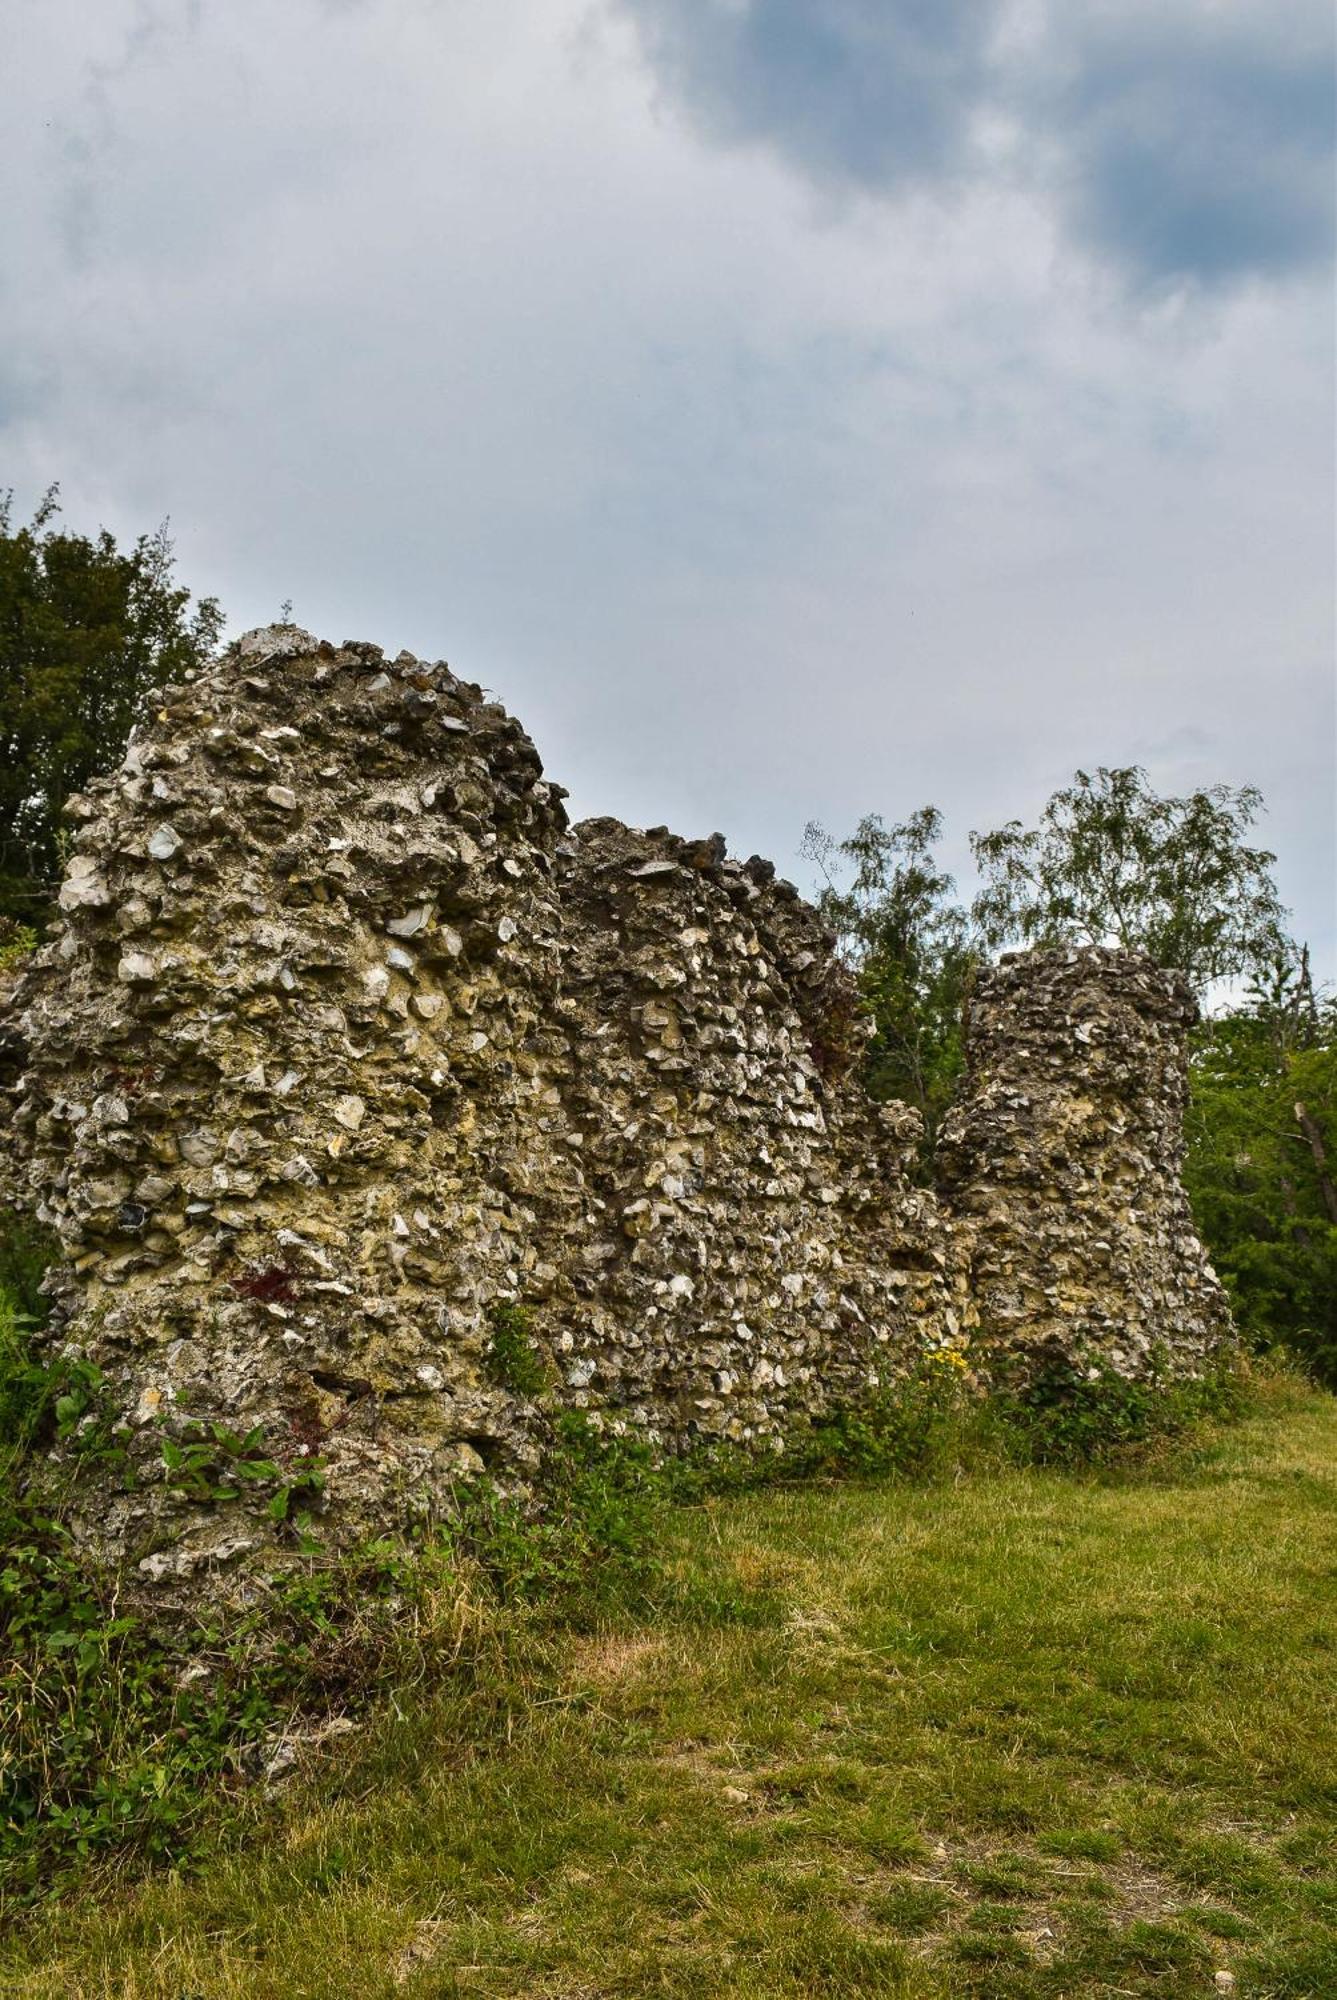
point(89, 133)
point(1188, 740)
point(1200, 148)
point(1177, 144)
point(410, 317)
point(860, 91)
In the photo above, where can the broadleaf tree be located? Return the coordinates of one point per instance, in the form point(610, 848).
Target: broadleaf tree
point(1262, 1161)
point(85, 629)
point(1113, 862)
point(894, 913)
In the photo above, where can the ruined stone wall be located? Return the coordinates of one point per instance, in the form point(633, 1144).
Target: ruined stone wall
point(347, 1039)
point(752, 1248)
point(1062, 1158)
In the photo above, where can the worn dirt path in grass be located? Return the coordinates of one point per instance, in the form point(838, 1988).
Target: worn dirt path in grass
point(1026, 1735)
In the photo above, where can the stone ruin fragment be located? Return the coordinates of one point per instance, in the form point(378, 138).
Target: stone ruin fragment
point(346, 1041)
point(1061, 1161)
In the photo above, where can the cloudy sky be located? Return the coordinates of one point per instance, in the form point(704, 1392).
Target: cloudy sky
point(790, 408)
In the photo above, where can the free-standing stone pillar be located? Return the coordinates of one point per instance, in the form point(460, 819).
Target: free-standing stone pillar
point(1063, 1158)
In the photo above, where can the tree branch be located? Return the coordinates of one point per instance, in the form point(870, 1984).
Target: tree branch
point(1315, 1137)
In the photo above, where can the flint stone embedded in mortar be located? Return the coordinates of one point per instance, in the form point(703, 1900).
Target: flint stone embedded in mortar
point(405, 1046)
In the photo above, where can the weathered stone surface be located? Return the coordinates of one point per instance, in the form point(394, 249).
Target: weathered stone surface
point(1063, 1160)
point(746, 1245)
point(347, 1038)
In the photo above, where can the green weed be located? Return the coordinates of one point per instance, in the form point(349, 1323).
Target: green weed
point(1060, 1413)
point(512, 1357)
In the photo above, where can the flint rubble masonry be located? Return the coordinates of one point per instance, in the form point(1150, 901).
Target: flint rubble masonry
point(346, 1036)
point(1062, 1162)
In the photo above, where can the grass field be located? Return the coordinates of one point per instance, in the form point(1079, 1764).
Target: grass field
point(1025, 1734)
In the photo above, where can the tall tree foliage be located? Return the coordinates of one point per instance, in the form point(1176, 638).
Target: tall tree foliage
point(1262, 1161)
point(1112, 862)
point(894, 913)
point(85, 629)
